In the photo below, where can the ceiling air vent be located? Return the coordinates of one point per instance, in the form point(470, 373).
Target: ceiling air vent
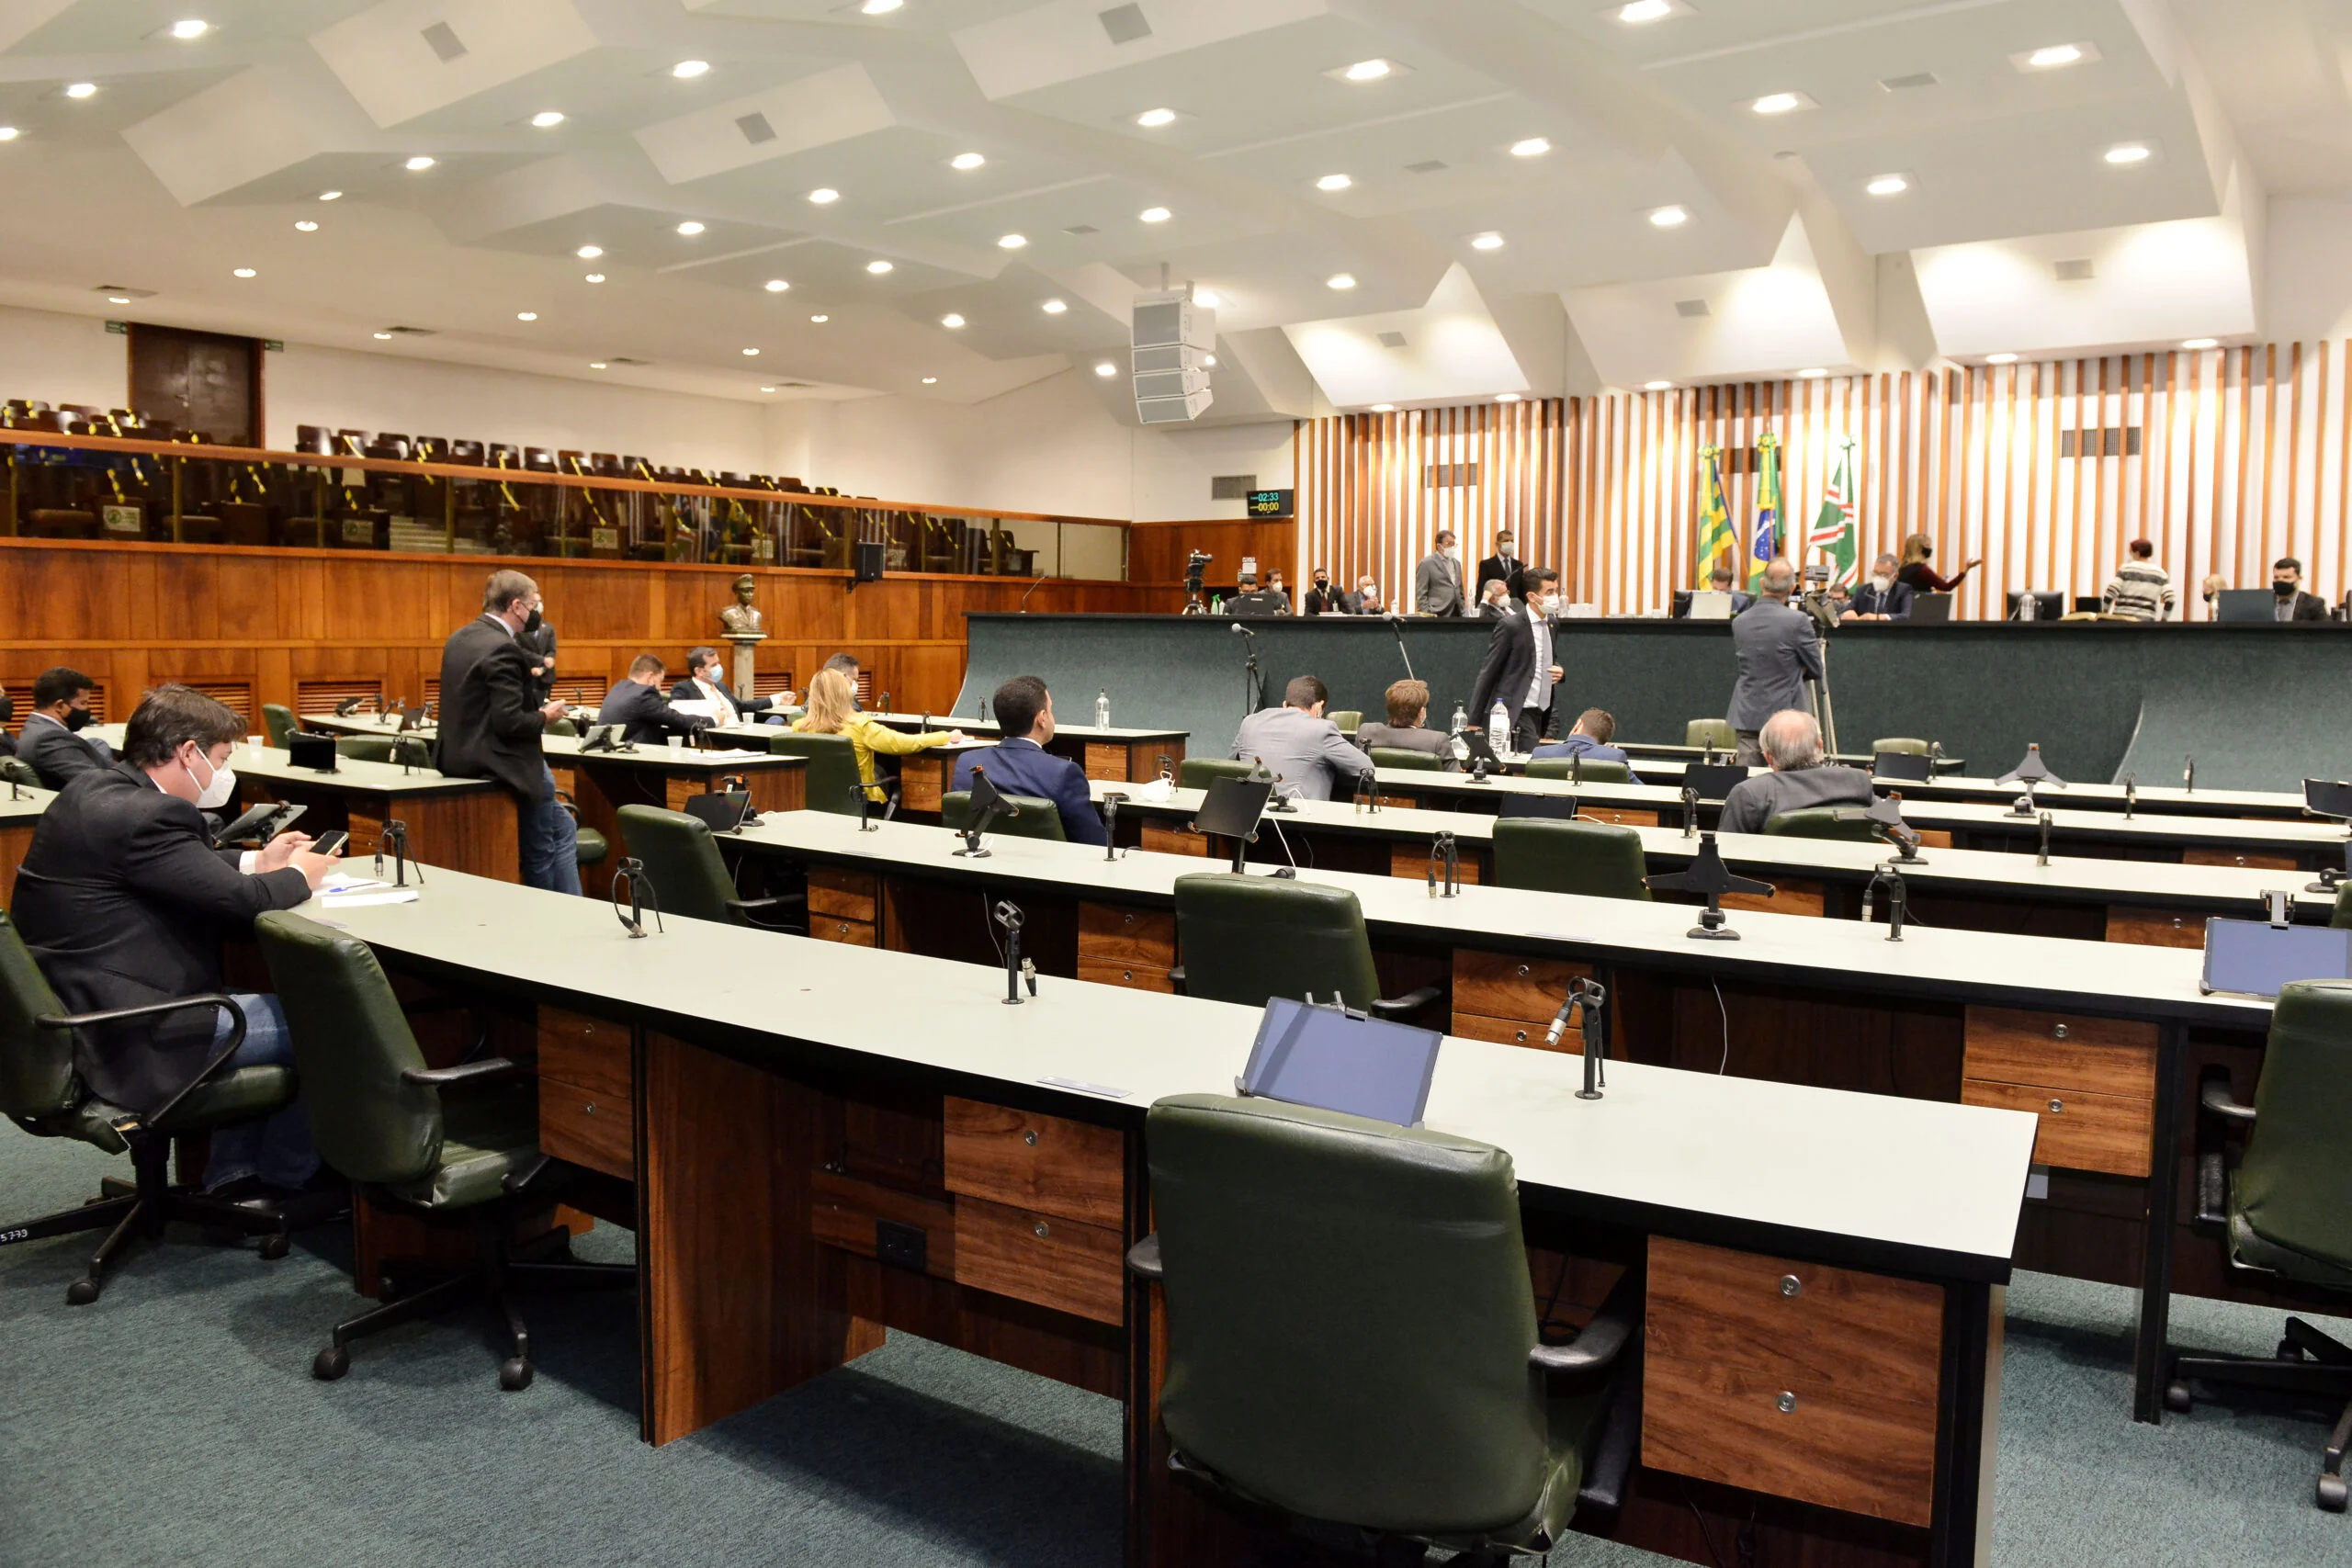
point(1392, 340)
point(1081, 229)
point(409, 332)
point(443, 40)
point(625, 360)
point(796, 386)
point(1691, 308)
point(1905, 83)
point(1231, 487)
point(1125, 24)
point(1426, 166)
point(755, 128)
point(120, 292)
point(2077, 271)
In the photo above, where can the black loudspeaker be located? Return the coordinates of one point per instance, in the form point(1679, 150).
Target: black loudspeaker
point(867, 562)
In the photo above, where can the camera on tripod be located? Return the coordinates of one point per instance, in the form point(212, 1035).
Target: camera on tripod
point(1196, 568)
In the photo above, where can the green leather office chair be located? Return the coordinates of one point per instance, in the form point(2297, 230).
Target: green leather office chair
point(40, 1093)
point(681, 858)
point(589, 847)
point(1904, 744)
point(832, 776)
point(1599, 860)
point(451, 1145)
point(15, 770)
point(1584, 770)
point(2285, 1208)
point(410, 749)
point(1244, 939)
point(1039, 818)
point(1352, 1338)
point(1405, 757)
point(1715, 732)
point(562, 726)
point(2342, 915)
point(278, 721)
point(1349, 720)
point(1819, 822)
point(1194, 772)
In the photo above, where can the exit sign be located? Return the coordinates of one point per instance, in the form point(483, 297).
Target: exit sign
point(1270, 502)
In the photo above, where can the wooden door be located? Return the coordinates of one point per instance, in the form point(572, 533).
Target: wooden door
point(200, 381)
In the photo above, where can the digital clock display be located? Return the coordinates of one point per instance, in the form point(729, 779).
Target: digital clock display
point(1270, 502)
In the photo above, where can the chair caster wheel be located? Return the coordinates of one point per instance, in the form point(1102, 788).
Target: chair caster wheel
point(330, 1363)
point(514, 1374)
point(273, 1247)
point(2176, 1397)
point(81, 1292)
point(2332, 1493)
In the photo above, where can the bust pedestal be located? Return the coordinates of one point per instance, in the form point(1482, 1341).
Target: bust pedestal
point(741, 676)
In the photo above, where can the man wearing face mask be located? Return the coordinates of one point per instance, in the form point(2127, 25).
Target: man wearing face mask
point(706, 682)
point(1438, 588)
point(1321, 598)
point(537, 640)
point(1884, 597)
point(1778, 647)
point(1504, 564)
point(2293, 603)
point(124, 902)
point(491, 719)
point(51, 741)
point(1519, 671)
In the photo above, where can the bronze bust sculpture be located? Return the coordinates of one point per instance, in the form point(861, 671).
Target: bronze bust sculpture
point(742, 618)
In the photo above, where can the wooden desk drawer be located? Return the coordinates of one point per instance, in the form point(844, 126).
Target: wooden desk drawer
point(2256, 860)
point(1413, 861)
point(847, 894)
point(1135, 977)
point(2106, 1133)
point(1108, 935)
point(1826, 1392)
point(1511, 1031)
point(587, 1053)
point(1107, 761)
point(827, 928)
point(1044, 1259)
point(922, 779)
point(588, 1128)
point(1502, 985)
point(2099, 1055)
point(2155, 928)
point(1162, 839)
point(844, 1211)
point(1620, 816)
point(1027, 1161)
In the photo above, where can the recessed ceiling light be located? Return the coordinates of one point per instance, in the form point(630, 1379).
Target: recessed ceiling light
point(384, 337)
point(1154, 215)
point(418, 165)
point(595, 277)
point(881, 7)
point(690, 228)
point(1010, 242)
point(1209, 360)
point(1657, 386)
point(330, 196)
point(767, 389)
point(1814, 374)
point(775, 285)
point(2000, 359)
point(1533, 147)
point(1776, 102)
point(307, 225)
point(9, 133)
point(1333, 182)
point(1486, 242)
point(1104, 368)
point(1668, 217)
point(750, 353)
point(966, 160)
point(191, 28)
point(1369, 70)
point(823, 195)
point(589, 252)
point(877, 267)
point(1506, 396)
point(931, 381)
point(821, 321)
point(1206, 297)
point(687, 70)
point(595, 365)
point(1639, 11)
point(1154, 118)
point(2129, 153)
point(1054, 307)
point(951, 319)
point(527, 315)
point(1340, 280)
point(118, 298)
point(81, 89)
point(244, 272)
point(547, 118)
point(2202, 343)
point(2056, 55)
point(1888, 185)
point(1383, 408)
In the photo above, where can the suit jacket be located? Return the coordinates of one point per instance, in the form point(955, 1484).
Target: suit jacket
point(646, 715)
point(1894, 602)
point(539, 644)
point(1758, 799)
point(1507, 672)
point(2308, 607)
point(1352, 603)
point(1258, 601)
point(689, 690)
point(1513, 573)
point(1777, 649)
point(7, 744)
point(58, 754)
point(1306, 755)
point(1496, 612)
point(1576, 744)
point(1021, 766)
point(490, 713)
point(1437, 587)
point(1325, 602)
point(124, 901)
point(1421, 737)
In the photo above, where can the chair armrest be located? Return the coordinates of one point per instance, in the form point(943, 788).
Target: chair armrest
point(1409, 1003)
point(2215, 1114)
point(157, 1009)
point(2213, 1098)
point(1143, 1258)
point(742, 908)
point(1176, 978)
point(1600, 1343)
point(464, 1073)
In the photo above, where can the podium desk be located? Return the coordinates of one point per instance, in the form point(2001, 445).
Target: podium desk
point(829, 1142)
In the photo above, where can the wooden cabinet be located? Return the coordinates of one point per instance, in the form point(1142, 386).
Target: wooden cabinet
point(2155, 928)
point(1042, 1258)
point(1413, 861)
point(1795, 1380)
point(1027, 1161)
point(586, 1093)
point(844, 906)
point(1505, 998)
point(1135, 948)
point(2090, 1082)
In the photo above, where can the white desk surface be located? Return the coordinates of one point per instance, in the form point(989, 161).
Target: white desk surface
point(1064, 728)
point(1940, 1183)
point(2077, 877)
point(565, 750)
point(271, 763)
point(16, 812)
point(2091, 796)
point(2103, 978)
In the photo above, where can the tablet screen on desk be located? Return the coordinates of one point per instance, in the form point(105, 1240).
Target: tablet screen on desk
point(2258, 959)
point(1320, 1056)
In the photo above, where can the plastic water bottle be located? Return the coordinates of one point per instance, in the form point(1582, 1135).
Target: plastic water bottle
point(1461, 720)
point(1216, 603)
point(2028, 606)
point(1103, 709)
point(1498, 730)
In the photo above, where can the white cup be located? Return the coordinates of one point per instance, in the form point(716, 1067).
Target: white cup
point(677, 745)
point(256, 741)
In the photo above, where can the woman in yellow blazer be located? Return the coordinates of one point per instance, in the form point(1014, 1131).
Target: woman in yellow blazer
point(831, 712)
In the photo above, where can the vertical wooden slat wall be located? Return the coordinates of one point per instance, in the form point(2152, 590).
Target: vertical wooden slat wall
point(2242, 458)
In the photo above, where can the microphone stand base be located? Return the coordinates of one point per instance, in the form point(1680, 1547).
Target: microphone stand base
point(1589, 1094)
point(1715, 934)
point(975, 854)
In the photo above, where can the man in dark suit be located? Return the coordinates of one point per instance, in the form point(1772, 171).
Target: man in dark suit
point(124, 902)
point(638, 704)
point(1505, 564)
point(1322, 598)
point(1254, 601)
point(1779, 648)
point(1884, 597)
point(491, 719)
point(7, 712)
point(537, 641)
point(1801, 777)
point(1366, 600)
point(51, 741)
point(1494, 600)
point(1519, 671)
point(706, 682)
point(2294, 604)
point(1020, 764)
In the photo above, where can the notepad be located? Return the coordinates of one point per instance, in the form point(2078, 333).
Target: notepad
point(361, 900)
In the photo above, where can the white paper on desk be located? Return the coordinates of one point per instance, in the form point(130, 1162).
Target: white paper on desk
point(361, 900)
point(343, 882)
point(697, 707)
point(1158, 792)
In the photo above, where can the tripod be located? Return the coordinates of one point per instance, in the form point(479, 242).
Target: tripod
point(1824, 712)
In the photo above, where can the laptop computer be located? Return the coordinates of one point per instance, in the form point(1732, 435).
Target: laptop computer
point(2242, 604)
point(1710, 604)
point(1936, 607)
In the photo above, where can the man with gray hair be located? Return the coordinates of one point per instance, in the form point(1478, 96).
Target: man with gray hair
point(491, 719)
point(1800, 777)
point(1779, 648)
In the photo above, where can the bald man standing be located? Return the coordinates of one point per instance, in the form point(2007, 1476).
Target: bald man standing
point(1779, 648)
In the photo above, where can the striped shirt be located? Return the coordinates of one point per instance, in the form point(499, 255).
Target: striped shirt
point(2140, 589)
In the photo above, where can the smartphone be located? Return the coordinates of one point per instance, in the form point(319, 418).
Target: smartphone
point(331, 843)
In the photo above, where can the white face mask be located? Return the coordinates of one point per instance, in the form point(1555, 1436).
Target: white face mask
point(223, 785)
point(1883, 582)
point(1504, 549)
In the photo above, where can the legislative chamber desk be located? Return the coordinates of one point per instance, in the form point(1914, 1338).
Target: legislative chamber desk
point(2098, 1039)
point(1114, 754)
point(826, 1143)
point(2090, 899)
point(20, 810)
point(601, 783)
